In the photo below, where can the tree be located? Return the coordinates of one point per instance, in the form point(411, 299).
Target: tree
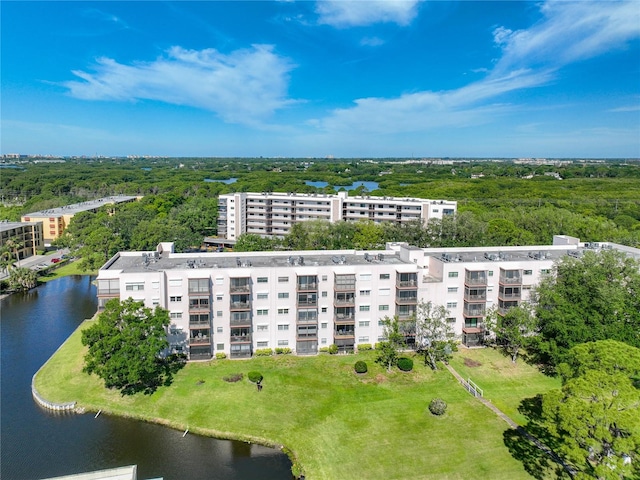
point(15, 246)
point(388, 349)
point(250, 242)
point(594, 416)
point(513, 329)
point(434, 334)
point(595, 297)
point(126, 347)
point(22, 279)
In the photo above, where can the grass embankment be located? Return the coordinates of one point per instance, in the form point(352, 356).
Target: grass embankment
point(503, 382)
point(68, 268)
point(336, 423)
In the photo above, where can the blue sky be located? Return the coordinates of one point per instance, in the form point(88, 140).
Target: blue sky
point(314, 79)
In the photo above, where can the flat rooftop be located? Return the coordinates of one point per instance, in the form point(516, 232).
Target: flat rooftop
point(5, 226)
point(81, 207)
point(496, 254)
point(147, 261)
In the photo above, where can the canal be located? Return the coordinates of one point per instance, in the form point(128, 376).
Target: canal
point(37, 443)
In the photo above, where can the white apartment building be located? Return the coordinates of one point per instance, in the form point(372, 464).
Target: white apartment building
point(223, 302)
point(273, 214)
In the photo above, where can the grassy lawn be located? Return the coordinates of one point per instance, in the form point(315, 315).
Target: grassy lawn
point(503, 382)
point(336, 423)
point(69, 268)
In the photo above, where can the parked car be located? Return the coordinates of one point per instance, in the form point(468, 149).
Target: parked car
point(55, 260)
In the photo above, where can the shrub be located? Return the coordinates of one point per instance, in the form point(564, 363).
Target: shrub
point(333, 349)
point(233, 377)
point(405, 364)
point(263, 352)
point(283, 350)
point(364, 346)
point(437, 406)
point(221, 355)
point(377, 346)
point(360, 367)
point(324, 350)
point(254, 377)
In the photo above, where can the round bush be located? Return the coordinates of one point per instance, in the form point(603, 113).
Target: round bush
point(333, 349)
point(405, 364)
point(360, 367)
point(255, 377)
point(437, 406)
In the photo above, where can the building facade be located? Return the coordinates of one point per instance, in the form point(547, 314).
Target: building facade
point(273, 214)
point(56, 220)
point(27, 236)
point(220, 302)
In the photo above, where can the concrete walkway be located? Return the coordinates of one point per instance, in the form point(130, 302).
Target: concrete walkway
point(570, 470)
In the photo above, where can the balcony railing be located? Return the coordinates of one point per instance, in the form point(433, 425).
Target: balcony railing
point(475, 280)
point(240, 306)
point(344, 302)
point(406, 300)
point(199, 323)
point(344, 287)
point(510, 296)
point(307, 336)
point(343, 335)
point(510, 280)
point(307, 286)
point(478, 297)
point(240, 338)
point(473, 312)
point(199, 308)
point(204, 340)
point(308, 303)
point(406, 283)
point(240, 322)
point(345, 319)
point(109, 291)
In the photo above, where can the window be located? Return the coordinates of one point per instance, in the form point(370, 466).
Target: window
point(452, 304)
point(198, 285)
point(381, 322)
point(451, 319)
point(218, 298)
point(323, 325)
point(283, 295)
point(175, 299)
point(283, 327)
point(134, 287)
point(263, 279)
point(219, 313)
point(363, 339)
point(365, 293)
point(383, 308)
point(175, 315)
point(283, 343)
point(219, 280)
point(324, 309)
point(363, 323)
point(453, 274)
point(528, 272)
point(262, 312)
point(175, 282)
point(452, 290)
point(219, 330)
point(491, 273)
point(384, 292)
point(283, 311)
point(365, 277)
point(219, 346)
point(283, 279)
point(155, 285)
point(324, 294)
point(365, 308)
point(384, 276)
point(323, 341)
point(545, 271)
point(262, 344)
point(324, 278)
point(263, 296)
point(263, 328)
point(155, 301)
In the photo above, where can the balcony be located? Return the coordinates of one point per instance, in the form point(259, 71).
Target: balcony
point(467, 311)
point(202, 340)
point(199, 323)
point(240, 321)
point(234, 306)
point(475, 278)
point(307, 287)
point(240, 338)
point(344, 301)
point(407, 299)
point(109, 292)
point(307, 303)
point(243, 287)
point(469, 296)
point(509, 296)
point(407, 284)
point(344, 287)
point(510, 277)
point(199, 307)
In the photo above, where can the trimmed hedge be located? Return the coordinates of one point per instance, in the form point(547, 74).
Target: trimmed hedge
point(324, 350)
point(333, 349)
point(254, 377)
point(437, 406)
point(405, 364)
point(221, 355)
point(360, 367)
point(283, 350)
point(364, 346)
point(263, 352)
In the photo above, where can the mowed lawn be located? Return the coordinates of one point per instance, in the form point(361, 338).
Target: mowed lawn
point(337, 424)
point(502, 381)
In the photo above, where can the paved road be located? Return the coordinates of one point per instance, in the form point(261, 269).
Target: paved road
point(34, 261)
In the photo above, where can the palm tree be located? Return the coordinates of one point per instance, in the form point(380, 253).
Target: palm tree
point(16, 246)
point(5, 258)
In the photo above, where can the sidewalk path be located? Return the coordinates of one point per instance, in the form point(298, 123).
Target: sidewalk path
point(570, 470)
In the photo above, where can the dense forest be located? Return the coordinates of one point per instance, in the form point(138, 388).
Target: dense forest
point(499, 202)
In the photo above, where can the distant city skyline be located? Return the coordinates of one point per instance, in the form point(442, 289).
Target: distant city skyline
point(552, 79)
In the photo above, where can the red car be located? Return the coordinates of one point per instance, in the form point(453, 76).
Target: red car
point(55, 260)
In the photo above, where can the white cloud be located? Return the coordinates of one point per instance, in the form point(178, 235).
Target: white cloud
point(629, 108)
point(568, 32)
point(345, 13)
point(246, 86)
point(371, 42)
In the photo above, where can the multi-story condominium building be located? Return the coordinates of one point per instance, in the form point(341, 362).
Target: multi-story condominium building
point(273, 214)
point(27, 236)
point(220, 302)
point(56, 220)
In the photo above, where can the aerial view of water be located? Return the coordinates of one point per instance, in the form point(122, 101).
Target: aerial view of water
point(227, 181)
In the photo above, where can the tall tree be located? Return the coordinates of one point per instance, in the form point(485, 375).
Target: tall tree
point(514, 329)
point(126, 346)
point(594, 416)
point(21, 279)
point(434, 334)
point(389, 349)
point(591, 298)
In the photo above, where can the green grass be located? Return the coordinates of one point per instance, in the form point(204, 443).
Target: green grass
point(335, 423)
point(68, 268)
point(503, 382)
